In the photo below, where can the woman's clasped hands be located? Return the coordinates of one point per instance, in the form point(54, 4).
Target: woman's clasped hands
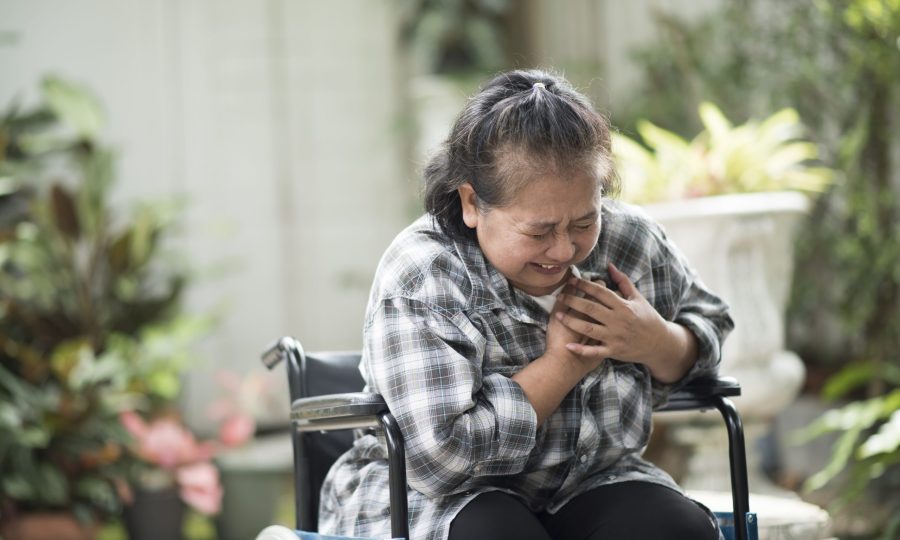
point(619, 325)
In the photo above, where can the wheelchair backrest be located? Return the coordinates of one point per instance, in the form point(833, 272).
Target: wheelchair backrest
point(322, 373)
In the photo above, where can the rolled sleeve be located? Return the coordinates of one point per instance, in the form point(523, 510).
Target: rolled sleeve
point(457, 422)
point(709, 339)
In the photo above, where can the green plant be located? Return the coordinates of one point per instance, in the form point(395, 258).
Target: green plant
point(755, 156)
point(868, 443)
point(89, 310)
point(835, 62)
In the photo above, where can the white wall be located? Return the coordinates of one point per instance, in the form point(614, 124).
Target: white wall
point(286, 123)
point(279, 119)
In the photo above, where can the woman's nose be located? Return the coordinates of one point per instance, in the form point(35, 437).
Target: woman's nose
point(563, 248)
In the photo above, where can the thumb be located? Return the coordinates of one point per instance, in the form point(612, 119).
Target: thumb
point(626, 287)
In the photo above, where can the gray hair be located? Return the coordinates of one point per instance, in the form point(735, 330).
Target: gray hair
point(531, 118)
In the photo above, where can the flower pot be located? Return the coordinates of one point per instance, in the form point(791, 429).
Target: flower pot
point(742, 247)
point(47, 526)
point(254, 477)
point(154, 515)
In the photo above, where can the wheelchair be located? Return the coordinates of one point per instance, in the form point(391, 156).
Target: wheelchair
point(326, 404)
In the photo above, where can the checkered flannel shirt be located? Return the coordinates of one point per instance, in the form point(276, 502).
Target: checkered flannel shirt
point(443, 334)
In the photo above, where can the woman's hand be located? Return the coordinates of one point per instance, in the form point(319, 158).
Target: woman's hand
point(549, 378)
point(625, 327)
point(559, 335)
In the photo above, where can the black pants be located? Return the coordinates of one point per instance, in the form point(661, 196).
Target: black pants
point(623, 511)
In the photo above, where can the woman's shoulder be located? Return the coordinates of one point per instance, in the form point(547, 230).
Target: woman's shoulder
point(422, 262)
point(631, 225)
point(630, 238)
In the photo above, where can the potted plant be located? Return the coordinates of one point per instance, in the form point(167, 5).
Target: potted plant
point(253, 474)
point(172, 469)
point(730, 200)
point(90, 324)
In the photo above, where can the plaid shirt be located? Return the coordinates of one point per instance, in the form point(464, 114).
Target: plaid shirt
point(444, 332)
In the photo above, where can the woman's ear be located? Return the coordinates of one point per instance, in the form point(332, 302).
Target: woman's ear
point(469, 206)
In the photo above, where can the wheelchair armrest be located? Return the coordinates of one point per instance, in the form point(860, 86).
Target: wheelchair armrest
point(701, 393)
point(338, 411)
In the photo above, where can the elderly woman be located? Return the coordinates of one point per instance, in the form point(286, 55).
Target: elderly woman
point(521, 333)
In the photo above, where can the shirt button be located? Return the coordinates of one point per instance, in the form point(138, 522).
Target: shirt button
point(583, 458)
point(611, 477)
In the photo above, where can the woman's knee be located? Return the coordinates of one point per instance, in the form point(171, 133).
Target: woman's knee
point(633, 510)
point(692, 524)
point(496, 516)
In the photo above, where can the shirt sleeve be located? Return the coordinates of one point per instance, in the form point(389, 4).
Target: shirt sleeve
point(681, 297)
point(458, 422)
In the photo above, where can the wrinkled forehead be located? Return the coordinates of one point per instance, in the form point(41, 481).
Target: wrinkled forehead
point(517, 167)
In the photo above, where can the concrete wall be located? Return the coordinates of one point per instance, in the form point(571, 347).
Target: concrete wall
point(282, 121)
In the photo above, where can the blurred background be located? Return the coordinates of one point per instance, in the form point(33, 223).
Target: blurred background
point(222, 173)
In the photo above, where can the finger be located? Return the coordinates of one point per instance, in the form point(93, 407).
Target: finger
point(626, 287)
point(597, 352)
point(595, 310)
point(599, 292)
point(580, 326)
point(559, 304)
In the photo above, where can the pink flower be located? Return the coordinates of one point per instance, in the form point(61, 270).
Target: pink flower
point(134, 424)
point(165, 442)
point(168, 445)
point(237, 429)
point(200, 488)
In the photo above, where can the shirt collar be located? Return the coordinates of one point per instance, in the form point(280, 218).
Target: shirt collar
point(496, 292)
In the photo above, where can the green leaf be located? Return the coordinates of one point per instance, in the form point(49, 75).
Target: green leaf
point(52, 484)
point(68, 355)
point(857, 415)
point(841, 453)
point(99, 492)
point(782, 126)
point(98, 177)
point(164, 384)
point(848, 379)
point(74, 106)
point(660, 139)
point(18, 487)
point(714, 121)
point(885, 440)
point(9, 185)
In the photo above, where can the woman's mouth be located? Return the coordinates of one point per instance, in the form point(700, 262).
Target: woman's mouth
point(548, 269)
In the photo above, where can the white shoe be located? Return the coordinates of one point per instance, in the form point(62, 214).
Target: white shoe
point(277, 532)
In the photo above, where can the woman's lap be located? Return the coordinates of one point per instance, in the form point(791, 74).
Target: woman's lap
point(496, 516)
point(624, 510)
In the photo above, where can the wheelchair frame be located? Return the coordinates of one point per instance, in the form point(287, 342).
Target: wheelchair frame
point(368, 410)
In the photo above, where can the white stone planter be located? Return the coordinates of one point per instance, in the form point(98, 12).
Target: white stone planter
point(742, 248)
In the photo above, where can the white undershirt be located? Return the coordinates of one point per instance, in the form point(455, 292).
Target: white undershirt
point(548, 300)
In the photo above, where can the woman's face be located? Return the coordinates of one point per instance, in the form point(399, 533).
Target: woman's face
point(551, 223)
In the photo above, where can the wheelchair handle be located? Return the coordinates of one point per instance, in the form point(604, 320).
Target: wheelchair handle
point(289, 350)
